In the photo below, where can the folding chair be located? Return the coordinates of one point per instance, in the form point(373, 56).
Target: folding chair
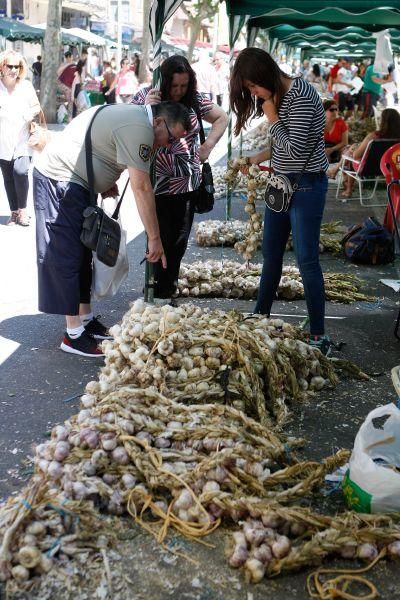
point(368, 169)
point(390, 167)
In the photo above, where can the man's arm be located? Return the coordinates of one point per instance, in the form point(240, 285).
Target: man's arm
point(145, 202)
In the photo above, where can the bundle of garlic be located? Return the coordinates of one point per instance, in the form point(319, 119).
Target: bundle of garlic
point(256, 182)
point(191, 465)
point(40, 528)
point(220, 233)
point(230, 279)
point(193, 355)
point(282, 539)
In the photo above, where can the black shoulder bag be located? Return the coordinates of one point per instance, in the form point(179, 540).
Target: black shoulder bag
point(100, 233)
point(204, 201)
point(279, 191)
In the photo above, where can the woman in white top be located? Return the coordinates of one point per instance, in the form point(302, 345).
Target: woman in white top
point(125, 82)
point(18, 106)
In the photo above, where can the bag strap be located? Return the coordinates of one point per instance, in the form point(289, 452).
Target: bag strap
point(89, 158)
point(89, 167)
point(295, 185)
point(201, 131)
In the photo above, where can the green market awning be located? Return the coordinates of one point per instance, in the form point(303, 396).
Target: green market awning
point(17, 30)
point(371, 20)
point(262, 7)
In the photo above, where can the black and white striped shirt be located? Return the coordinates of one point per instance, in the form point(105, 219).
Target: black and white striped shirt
point(301, 123)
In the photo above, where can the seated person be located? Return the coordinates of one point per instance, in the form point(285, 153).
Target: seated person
point(336, 136)
point(389, 129)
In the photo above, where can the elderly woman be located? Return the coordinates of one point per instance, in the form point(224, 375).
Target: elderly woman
point(178, 167)
point(18, 106)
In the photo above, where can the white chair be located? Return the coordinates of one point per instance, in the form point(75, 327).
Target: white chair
point(367, 169)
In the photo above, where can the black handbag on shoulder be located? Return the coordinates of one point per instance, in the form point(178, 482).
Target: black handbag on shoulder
point(100, 232)
point(204, 199)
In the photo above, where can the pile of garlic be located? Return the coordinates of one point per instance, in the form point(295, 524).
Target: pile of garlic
point(219, 182)
point(230, 279)
point(137, 442)
point(220, 233)
point(194, 354)
point(256, 139)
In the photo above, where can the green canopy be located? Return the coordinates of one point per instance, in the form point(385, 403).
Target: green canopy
point(17, 30)
point(371, 20)
point(262, 7)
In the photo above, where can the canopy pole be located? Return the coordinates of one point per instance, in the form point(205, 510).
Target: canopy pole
point(228, 207)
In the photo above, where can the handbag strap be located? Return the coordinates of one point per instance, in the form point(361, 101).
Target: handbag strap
point(295, 185)
point(201, 131)
point(89, 166)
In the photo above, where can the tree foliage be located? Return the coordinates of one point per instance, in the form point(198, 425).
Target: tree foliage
point(197, 11)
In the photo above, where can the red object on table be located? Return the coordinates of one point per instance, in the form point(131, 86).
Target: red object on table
point(270, 169)
point(390, 167)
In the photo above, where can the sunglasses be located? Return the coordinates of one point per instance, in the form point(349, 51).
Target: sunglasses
point(171, 137)
point(332, 109)
point(13, 67)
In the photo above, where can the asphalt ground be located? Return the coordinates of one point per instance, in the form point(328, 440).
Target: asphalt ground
point(40, 387)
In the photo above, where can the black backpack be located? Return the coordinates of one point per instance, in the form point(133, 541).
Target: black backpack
point(369, 243)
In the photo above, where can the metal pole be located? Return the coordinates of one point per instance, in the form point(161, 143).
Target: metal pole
point(9, 9)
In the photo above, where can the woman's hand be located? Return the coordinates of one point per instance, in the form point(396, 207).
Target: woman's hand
point(204, 152)
point(153, 97)
point(270, 110)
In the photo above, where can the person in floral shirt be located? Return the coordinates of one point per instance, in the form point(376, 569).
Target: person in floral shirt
point(178, 166)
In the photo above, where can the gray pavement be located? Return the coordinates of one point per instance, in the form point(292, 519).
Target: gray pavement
point(40, 385)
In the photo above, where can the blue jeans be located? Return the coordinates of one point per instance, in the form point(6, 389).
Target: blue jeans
point(304, 220)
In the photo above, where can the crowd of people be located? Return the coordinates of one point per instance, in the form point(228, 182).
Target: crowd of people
point(142, 126)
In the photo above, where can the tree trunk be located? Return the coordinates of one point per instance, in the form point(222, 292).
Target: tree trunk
point(146, 42)
point(52, 40)
point(194, 34)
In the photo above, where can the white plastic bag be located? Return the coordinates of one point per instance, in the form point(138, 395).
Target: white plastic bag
point(368, 485)
point(83, 101)
point(106, 280)
point(383, 54)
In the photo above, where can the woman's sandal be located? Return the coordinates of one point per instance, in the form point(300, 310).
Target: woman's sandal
point(347, 194)
point(23, 220)
point(13, 218)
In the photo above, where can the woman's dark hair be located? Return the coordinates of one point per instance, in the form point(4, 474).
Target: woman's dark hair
point(79, 66)
point(316, 70)
point(178, 64)
point(390, 124)
point(257, 66)
point(328, 103)
point(123, 60)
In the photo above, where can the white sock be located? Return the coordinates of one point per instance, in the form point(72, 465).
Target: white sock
point(85, 319)
point(75, 332)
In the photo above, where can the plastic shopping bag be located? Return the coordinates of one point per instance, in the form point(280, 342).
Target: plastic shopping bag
point(372, 483)
point(106, 280)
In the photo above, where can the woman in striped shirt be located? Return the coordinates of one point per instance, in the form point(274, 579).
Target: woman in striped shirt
point(296, 116)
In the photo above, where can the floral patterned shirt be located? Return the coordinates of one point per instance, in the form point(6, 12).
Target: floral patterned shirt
point(178, 168)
